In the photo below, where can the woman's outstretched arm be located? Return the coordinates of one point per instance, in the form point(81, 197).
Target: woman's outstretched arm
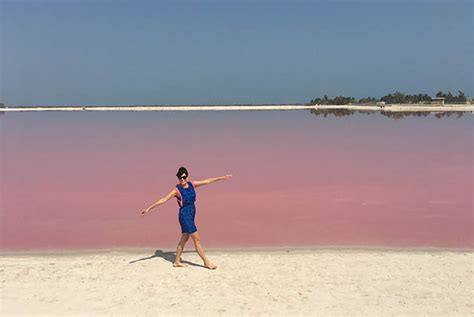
point(210, 180)
point(160, 202)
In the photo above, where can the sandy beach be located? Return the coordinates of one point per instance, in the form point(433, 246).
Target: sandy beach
point(246, 282)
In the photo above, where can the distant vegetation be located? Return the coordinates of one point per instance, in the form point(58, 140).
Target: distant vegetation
point(393, 98)
point(339, 100)
point(449, 98)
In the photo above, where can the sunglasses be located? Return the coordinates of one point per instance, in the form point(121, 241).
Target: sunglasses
point(183, 177)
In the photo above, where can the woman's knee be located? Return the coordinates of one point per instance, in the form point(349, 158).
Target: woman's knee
point(184, 237)
point(196, 237)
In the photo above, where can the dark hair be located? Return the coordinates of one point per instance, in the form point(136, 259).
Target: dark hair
point(182, 170)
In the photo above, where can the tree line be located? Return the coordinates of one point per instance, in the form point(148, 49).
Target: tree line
point(392, 98)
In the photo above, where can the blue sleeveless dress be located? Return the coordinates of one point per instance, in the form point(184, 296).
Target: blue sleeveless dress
point(186, 198)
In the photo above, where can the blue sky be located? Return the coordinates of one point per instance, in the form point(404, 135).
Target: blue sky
point(213, 52)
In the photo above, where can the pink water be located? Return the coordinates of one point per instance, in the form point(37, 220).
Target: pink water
point(80, 180)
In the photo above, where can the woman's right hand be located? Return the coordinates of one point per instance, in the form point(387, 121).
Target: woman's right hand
point(144, 211)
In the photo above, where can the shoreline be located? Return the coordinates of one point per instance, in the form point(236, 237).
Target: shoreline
point(233, 250)
point(375, 108)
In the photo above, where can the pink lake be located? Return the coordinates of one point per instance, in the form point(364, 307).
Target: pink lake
point(79, 180)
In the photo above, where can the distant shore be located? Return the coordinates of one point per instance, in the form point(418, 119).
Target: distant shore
point(377, 108)
point(264, 282)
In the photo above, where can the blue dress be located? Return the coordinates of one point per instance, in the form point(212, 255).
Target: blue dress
point(186, 198)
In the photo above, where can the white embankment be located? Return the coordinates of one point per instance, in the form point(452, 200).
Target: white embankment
point(386, 108)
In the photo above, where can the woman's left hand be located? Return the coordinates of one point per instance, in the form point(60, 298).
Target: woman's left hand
point(226, 177)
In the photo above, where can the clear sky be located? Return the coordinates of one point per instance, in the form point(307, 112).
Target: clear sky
point(212, 52)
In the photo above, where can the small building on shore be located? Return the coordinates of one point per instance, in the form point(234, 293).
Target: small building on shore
point(437, 101)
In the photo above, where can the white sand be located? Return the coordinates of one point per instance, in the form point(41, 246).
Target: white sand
point(271, 282)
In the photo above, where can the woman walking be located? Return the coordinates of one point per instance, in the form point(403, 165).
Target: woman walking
point(186, 196)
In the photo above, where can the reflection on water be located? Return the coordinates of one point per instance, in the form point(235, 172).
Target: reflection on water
point(391, 114)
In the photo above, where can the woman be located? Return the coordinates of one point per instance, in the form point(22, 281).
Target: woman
point(186, 196)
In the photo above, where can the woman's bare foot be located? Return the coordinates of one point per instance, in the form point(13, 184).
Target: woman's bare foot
point(210, 266)
point(179, 264)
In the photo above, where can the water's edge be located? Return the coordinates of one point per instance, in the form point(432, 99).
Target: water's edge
point(257, 249)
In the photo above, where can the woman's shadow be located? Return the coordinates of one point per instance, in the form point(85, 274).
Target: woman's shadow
point(168, 256)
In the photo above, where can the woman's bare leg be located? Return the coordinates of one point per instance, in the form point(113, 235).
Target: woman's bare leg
point(200, 251)
point(179, 250)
